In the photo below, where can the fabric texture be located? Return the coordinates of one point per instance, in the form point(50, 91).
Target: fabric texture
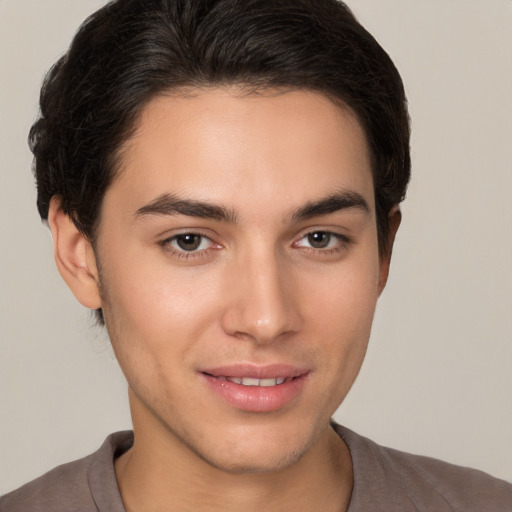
point(385, 480)
point(388, 480)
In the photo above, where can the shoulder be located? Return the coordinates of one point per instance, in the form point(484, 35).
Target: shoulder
point(75, 486)
point(459, 488)
point(53, 490)
point(417, 483)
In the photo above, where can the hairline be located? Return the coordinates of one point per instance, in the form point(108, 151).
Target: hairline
point(239, 89)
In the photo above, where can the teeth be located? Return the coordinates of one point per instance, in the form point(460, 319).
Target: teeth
point(249, 381)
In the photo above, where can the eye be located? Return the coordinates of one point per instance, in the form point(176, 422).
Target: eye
point(188, 242)
point(322, 240)
point(319, 239)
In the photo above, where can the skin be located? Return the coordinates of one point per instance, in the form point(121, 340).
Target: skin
point(258, 290)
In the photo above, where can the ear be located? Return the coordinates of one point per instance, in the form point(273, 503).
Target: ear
point(74, 257)
point(394, 219)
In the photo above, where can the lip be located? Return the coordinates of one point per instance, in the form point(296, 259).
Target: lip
point(256, 398)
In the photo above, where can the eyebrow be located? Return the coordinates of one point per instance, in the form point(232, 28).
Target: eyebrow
point(168, 204)
point(340, 201)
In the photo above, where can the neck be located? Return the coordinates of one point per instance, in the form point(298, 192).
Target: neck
point(160, 473)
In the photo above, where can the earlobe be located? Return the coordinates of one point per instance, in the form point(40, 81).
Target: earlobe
point(74, 257)
point(394, 219)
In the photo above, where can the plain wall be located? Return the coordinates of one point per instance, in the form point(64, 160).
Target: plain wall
point(437, 379)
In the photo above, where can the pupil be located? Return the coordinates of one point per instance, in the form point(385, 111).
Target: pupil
point(188, 242)
point(319, 239)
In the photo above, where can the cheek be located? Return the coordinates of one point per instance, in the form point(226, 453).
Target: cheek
point(154, 314)
point(345, 296)
point(342, 308)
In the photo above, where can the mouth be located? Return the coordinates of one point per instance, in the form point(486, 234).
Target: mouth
point(253, 382)
point(256, 389)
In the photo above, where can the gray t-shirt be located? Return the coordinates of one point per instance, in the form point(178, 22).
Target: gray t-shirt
point(385, 480)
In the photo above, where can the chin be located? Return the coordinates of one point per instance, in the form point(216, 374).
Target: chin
point(249, 463)
point(260, 450)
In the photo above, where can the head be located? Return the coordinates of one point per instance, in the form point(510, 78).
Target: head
point(138, 65)
point(130, 51)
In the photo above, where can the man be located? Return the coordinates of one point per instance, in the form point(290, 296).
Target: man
point(222, 181)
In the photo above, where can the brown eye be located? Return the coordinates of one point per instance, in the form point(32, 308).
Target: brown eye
point(323, 242)
point(189, 241)
point(188, 245)
point(319, 239)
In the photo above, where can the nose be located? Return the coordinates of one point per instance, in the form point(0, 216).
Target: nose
point(262, 305)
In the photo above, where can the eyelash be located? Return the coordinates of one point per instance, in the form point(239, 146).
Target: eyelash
point(342, 243)
point(183, 254)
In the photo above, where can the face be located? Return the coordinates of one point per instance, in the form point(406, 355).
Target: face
point(240, 272)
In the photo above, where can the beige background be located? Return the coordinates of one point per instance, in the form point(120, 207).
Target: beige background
point(438, 377)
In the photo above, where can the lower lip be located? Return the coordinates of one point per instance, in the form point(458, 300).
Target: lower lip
point(256, 398)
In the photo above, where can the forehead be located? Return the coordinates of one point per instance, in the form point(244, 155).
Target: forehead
point(225, 146)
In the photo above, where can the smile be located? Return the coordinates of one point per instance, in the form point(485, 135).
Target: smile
point(251, 381)
point(256, 388)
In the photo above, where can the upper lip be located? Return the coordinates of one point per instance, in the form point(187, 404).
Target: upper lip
point(256, 372)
